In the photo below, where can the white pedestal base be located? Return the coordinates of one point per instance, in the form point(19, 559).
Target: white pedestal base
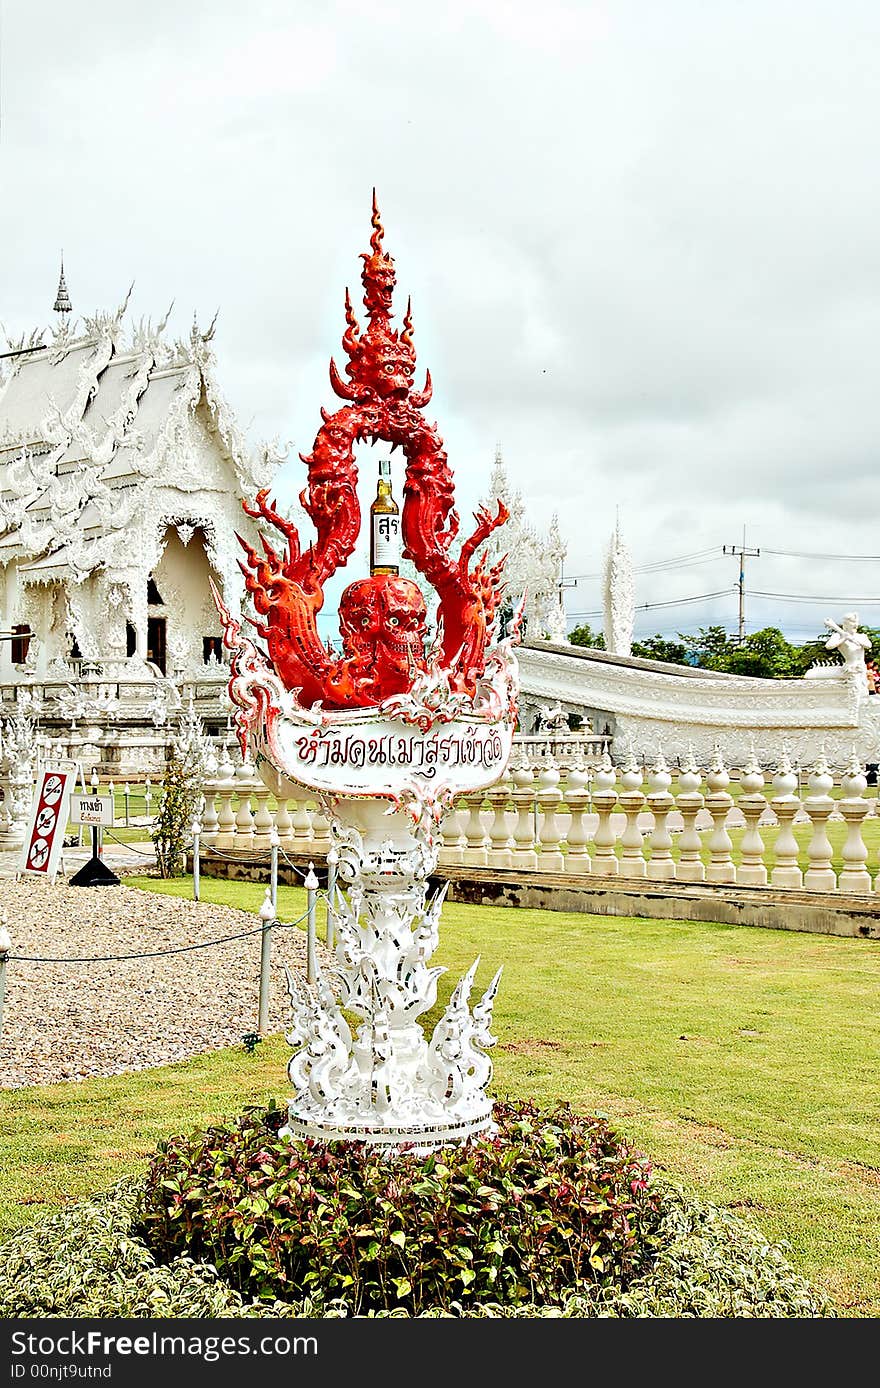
point(387, 1085)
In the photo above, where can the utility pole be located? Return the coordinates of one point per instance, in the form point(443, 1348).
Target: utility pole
point(742, 555)
point(563, 584)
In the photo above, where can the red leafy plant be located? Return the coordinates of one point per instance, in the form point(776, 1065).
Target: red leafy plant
point(554, 1202)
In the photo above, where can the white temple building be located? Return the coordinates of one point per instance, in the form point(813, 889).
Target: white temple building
point(534, 560)
point(121, 476)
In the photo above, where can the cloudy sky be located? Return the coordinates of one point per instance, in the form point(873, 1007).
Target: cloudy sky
point(641, 240)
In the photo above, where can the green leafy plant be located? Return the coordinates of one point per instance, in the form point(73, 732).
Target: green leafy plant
point(180, 798)
point(90, 1260)
point(551, 1203)
point(172, 828)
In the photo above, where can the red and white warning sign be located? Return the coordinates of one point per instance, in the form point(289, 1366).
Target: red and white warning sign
point(48, 820)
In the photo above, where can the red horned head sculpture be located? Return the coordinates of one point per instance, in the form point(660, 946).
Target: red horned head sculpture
point(382, 619)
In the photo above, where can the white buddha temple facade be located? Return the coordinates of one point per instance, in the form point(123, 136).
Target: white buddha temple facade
point(121, 478)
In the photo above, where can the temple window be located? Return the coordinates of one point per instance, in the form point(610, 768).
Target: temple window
point(20, 643)
point(154, 597)
point(212, 646)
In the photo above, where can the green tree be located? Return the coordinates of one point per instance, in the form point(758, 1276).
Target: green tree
point(710, 648)
point(658, 648)
point(764, 654)
point(585, 636)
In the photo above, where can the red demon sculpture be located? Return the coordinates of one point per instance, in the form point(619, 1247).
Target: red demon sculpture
point(382, 619)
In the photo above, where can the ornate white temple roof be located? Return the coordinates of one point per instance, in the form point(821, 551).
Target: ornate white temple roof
point(88, 421)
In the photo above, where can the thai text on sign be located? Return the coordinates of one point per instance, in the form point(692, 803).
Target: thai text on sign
point(442, 750)
point(91, 809)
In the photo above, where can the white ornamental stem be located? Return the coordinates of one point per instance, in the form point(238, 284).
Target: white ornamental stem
point(387, 1083)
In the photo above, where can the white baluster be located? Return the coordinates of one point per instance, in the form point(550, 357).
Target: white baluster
point(632, 802)
point(500, 842)
point(752, 871)
point(718, 802)
point(224, 840)
point(577, 858)
point(605, 862)
point(283, 822)
point(549, 798)
point(785, 805)
point(660, 866)
point(244, 820)
point(689, 802)
point(263, 825)
point(853, 806)
point(475, 854)
point(452, 838)
point(320, 830)
point(301, 820)
point(819, 876)
point(210, 820)
point(524, 855)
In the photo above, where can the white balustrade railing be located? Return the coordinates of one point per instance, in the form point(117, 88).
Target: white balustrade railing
point(635, 822)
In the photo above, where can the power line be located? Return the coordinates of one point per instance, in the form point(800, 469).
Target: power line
point(680, 560)
point(796, 554)
point(676, 602)
point(813, 597)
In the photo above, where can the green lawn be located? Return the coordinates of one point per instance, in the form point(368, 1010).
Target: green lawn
point(744, 1061)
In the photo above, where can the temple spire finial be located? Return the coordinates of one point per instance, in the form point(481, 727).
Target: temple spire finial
point(62, 299)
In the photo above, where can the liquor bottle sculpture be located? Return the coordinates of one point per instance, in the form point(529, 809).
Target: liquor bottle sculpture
point(384, 736)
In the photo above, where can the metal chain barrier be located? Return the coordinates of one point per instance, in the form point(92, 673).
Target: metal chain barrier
point(142, 852)
point(150, 954)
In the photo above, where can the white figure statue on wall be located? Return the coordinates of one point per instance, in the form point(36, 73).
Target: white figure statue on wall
point(853, 646)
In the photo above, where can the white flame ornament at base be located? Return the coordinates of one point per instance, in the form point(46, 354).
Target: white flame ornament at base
point(387, 1083)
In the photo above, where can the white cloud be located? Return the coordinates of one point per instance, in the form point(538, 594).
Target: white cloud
point(640, 239)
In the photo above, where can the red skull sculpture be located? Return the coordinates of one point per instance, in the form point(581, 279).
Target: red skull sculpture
point(382, 623)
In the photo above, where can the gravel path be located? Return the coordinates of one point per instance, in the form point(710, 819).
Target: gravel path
point(71, 1021)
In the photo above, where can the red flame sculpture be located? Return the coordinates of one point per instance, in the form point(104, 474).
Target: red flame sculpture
point(382, 619)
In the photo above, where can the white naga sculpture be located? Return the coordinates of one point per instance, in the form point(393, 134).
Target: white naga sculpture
point(853, 646)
